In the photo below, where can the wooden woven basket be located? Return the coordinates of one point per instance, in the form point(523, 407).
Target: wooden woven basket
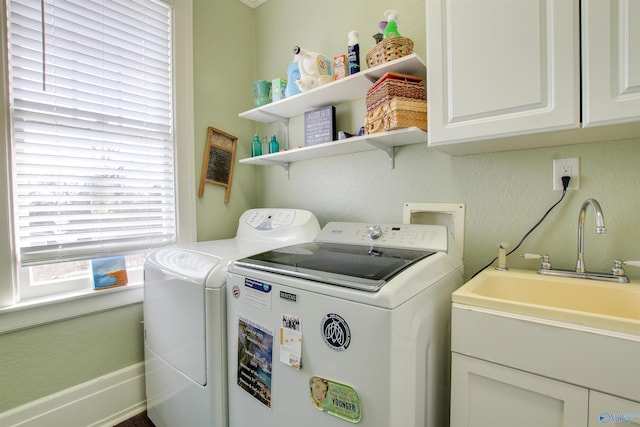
point(393, 85)
point(389, 49)
point(395, 114)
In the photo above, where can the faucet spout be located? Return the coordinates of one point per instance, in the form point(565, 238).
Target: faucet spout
point(600, 229)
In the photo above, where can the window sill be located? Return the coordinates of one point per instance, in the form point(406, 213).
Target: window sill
point(45, 310)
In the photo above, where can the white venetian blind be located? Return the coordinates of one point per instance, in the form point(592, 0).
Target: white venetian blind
point(92, 127)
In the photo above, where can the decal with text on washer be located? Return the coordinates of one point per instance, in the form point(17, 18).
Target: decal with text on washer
point(257, 293)
point(335, 332)
point(289, 296)
point(255, 359)
point(333, 398)
point(291, 340)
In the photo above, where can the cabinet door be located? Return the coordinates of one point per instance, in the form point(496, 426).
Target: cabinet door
point(612, 411)
point(611, 61)
point(500, 67)
point(485, 394)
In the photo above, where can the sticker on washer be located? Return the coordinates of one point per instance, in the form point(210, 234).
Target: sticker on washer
point(257, 293)
point(255, 359)
point(291, 340)
point(333, 398)
point(235, 290)
point(335, 332)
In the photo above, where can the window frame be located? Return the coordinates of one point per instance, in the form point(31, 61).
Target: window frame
point(15, 315)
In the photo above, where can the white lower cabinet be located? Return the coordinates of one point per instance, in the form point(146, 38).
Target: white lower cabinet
point(487, 394)
point(606, 410)
point(510, 370)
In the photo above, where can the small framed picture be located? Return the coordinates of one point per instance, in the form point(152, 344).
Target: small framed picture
point(109, 272)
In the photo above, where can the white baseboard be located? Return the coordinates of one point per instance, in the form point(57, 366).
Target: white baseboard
point(102, 402)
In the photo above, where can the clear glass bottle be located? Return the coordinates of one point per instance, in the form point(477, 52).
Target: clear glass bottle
point(274, 147)
point(256, 146)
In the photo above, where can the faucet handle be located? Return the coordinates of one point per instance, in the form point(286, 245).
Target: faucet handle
point(502, 257)
point(617, 269)
point(546, 260)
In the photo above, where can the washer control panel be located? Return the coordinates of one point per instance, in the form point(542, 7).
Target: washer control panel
point(400, 236)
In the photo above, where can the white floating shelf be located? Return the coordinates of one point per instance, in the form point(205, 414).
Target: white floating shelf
point(378, 141)
point(346, 89)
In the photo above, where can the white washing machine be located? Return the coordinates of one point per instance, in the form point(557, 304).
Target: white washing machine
point(350, 328)
point(185, 316)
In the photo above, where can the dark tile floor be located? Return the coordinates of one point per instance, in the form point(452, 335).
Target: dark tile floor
point(138, 421)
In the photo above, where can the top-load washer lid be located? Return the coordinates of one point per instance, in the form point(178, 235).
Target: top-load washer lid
point(362, 256)
point(352, 266)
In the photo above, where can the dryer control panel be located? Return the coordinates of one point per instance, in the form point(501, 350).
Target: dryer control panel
point(268, 219)
point(278, 224)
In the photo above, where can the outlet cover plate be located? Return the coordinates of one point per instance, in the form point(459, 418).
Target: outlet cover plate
point(570, 167)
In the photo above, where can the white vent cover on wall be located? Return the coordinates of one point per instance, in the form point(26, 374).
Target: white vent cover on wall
point(253, 3)
point(451, 215)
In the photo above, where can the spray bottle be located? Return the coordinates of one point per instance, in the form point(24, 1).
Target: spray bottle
point(391, 30)
point(353, 52)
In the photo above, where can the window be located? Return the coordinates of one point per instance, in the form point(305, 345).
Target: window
point(92, 101)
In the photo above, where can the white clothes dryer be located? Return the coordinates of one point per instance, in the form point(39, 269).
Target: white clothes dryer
point(185, 316)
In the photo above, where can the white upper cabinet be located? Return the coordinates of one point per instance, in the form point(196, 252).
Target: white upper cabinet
point(501, 68)
point(611, 61)
point(500, 73)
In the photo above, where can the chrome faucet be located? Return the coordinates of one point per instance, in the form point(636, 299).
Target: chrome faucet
point(617, 274)
point(600, 229)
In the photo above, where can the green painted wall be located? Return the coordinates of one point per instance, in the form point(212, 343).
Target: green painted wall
point(43, 360)
point(505, 193)
point(223, 38)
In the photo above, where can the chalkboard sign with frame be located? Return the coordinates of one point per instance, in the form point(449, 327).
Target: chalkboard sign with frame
point(320, 125)
point(219, 160)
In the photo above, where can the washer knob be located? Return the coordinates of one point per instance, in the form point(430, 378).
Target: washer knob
point(374, 232)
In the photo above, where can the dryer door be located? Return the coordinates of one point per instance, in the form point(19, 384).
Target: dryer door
point(174, 308)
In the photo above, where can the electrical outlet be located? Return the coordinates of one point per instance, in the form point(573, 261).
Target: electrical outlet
point(566, 167)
